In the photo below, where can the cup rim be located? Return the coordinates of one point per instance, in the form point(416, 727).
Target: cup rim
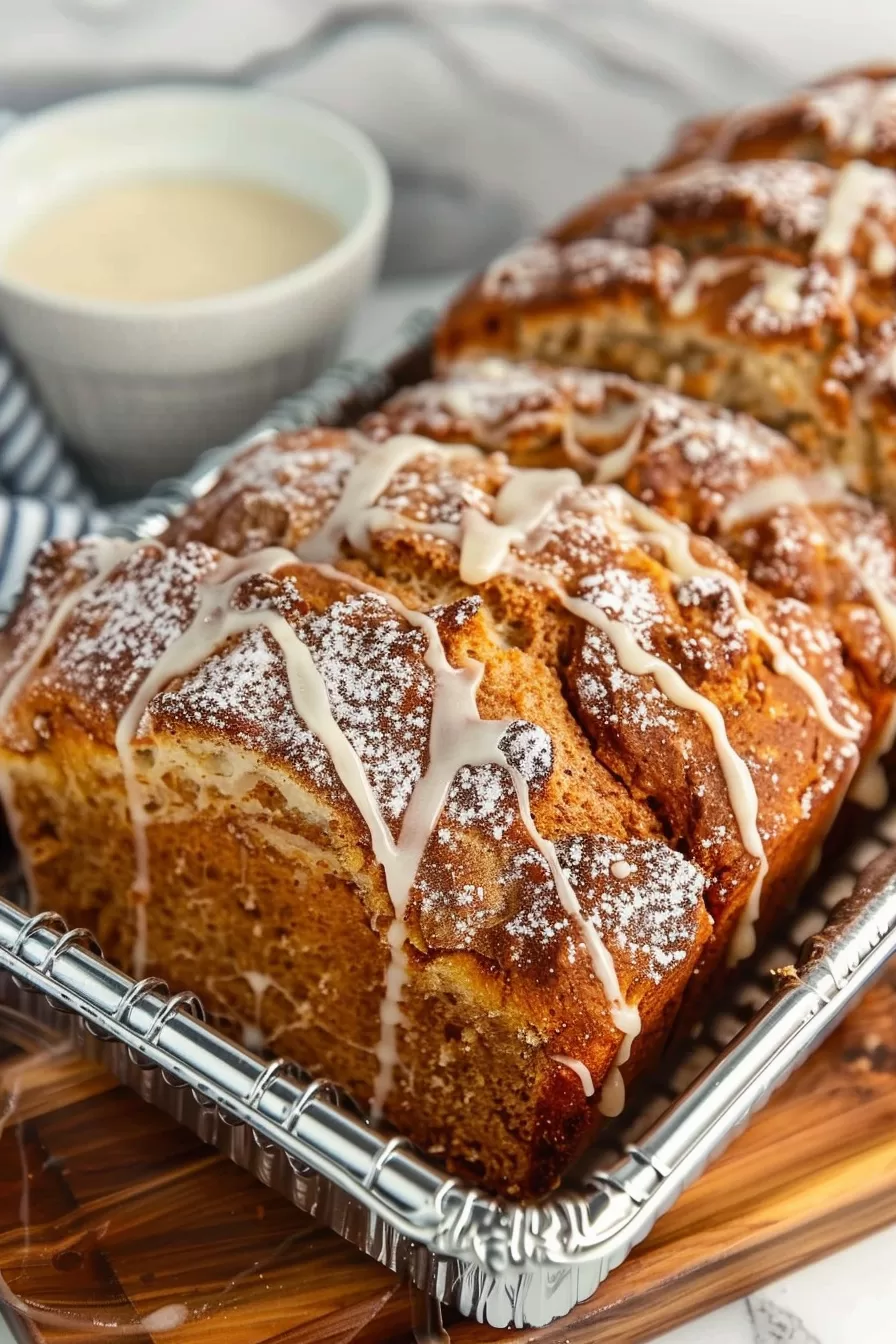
point(354, 241)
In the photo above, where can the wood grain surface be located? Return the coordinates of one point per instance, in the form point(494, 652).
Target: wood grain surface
point(110, 1212)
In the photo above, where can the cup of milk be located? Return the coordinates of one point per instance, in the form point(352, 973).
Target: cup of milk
point(173, 260)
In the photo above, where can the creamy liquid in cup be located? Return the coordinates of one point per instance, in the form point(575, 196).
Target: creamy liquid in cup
point(163, 240)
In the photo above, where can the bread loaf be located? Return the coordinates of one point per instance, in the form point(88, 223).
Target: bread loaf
point(448, 779)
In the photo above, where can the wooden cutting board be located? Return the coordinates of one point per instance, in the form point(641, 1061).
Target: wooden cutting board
point(128, 1214)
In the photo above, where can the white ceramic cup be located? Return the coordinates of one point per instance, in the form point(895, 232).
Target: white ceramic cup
point(142, 389)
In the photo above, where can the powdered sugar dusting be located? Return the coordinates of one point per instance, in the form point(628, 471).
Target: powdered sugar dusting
point(119, 631)
point(56, 569)
point(380, 691)
point(491, 401)
point(529, 749)
point(787, 197)
point(645, 897)
point(241, 694)
point(268, 490)
point(584, 266)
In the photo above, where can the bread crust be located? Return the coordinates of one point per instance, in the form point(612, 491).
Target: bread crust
point(849, 115)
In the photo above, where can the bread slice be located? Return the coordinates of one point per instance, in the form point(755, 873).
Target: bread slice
point(800, 534)
point(850, 115)
point(765, 287)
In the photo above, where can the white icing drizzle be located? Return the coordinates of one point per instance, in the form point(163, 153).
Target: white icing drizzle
point(883, 257)
point(612, 1094)
point(822, 487)
point(576, 452)
point(705, 271)
point(520, 506)
point(676, 544)
point(781, 287)
point(612, 466)
point(580, 1070)
point(140, 950)
point(856, 186)
point(367, 480)
point(253, 1032)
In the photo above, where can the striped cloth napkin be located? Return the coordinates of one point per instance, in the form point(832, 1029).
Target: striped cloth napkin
point(41, 491)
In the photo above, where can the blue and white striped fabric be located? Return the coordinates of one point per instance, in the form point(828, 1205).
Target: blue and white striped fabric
point(41, 492)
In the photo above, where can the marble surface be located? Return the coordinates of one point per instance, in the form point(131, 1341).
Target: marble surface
point(848, 1298)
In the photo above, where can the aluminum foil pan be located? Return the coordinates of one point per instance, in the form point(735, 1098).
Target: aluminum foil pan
point(506, 1263)
point(502, 1261)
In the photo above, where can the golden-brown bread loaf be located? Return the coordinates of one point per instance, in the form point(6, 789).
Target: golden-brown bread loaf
point(262, 780)
point(849, 115)
point(766, 287)
point(223, 844)
point(798, 533)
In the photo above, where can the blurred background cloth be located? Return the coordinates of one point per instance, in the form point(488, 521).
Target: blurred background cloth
point(495, 117)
